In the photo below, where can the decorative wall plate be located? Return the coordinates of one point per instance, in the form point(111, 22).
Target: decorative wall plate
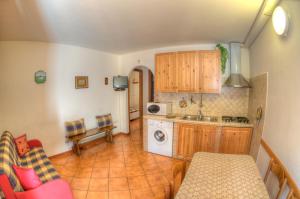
point(40, 77)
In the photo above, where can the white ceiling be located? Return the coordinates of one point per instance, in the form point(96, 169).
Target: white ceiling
point(121, 26)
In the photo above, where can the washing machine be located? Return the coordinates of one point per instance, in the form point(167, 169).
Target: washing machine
point(160, 137)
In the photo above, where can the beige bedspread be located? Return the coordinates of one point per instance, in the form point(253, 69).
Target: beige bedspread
point(222, 176)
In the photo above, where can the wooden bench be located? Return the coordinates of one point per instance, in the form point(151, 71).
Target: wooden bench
point(76, 139)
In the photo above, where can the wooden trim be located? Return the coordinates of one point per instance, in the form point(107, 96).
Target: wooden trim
point(63, 154)
point(150, 87)
point(290, 181)
point(128, 103)
point(141, 84)
point(141, 99)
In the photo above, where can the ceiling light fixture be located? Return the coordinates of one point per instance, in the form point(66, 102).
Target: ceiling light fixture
point(280, 21)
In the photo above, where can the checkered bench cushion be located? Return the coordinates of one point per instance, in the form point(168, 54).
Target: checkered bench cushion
point(104, 120)
point(38, 160)
point(9, 157)
point(75, 127)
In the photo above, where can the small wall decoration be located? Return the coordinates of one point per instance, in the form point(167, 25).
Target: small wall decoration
point(81, 82)
point(106, 81)
point(40, 77)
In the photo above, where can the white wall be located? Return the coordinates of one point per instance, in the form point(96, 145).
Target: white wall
point(280, 58)
point(41, 110)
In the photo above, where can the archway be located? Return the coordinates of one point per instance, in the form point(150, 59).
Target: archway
point(140, 91)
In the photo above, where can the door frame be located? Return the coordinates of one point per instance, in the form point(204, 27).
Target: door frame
point(141, 84)
point(150, 86)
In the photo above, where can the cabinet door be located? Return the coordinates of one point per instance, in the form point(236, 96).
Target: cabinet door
point(186, 139)
point(211, 71)
point(165, 72)
point(188, 71)
point(207, 139)
point(235, 140)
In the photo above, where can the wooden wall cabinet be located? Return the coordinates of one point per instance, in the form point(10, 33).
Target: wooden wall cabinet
point(188, 67)
point(165, 72)
point(191, 71)
point(211, 72)
point(194, 138)
point(235, 140)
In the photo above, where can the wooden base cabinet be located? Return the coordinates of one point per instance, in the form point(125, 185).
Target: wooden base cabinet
point(186, 140)
point(194, 138)
point(235, 140)
point(206, 139)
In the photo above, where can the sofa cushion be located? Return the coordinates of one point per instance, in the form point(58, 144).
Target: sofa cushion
point(38, 160)
point(75, 127)
point(8, 158)
point(27, 177)
point(22, 145)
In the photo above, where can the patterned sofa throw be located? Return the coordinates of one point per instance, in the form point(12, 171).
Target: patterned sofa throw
point(75, 127)
point(104, 120)
point(9, 157)
point(36, 158)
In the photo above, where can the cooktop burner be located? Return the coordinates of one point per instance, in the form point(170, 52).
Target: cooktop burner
point(235, 119)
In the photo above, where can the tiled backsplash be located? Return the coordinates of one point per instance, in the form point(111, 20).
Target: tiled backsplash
point(231, 101)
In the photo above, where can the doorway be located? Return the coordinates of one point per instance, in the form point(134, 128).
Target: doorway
point(140, 91)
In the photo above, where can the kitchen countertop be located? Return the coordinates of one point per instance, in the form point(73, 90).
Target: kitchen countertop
point(180, 120)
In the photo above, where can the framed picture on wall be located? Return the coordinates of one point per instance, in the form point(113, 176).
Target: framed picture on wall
point(81, 82)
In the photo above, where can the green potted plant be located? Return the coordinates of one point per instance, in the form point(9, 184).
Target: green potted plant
point(224, 57)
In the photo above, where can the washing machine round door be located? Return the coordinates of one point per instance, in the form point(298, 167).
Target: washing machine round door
point(160, 136)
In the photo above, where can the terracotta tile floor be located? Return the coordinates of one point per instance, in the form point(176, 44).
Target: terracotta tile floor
point(121, 170)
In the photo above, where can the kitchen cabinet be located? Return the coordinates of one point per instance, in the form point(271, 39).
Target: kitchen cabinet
point(235, 140)
point(207, 138)
point(186, 140)
point(211, 72)
point(194, 138)
point(165, 72)
point(191, 72)
point(188, 67)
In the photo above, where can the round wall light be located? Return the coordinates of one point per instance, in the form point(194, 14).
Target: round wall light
point(280, 21)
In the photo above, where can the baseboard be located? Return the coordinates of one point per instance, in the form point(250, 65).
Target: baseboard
point(86, 144)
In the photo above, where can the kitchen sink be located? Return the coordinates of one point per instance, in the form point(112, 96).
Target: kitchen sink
point(200, 118)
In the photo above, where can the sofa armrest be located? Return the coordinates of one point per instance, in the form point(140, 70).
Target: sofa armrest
point(34, 143)
point(51, 190)
point(6, 187)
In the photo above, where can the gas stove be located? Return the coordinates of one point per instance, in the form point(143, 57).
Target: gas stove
point(231, 119)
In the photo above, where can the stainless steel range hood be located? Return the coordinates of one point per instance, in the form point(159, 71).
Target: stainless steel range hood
point(235, 78)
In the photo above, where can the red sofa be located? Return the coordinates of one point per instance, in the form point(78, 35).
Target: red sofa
point(53, 186)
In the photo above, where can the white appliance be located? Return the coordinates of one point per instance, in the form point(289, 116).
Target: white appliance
point(160, 137)
point(155, 108)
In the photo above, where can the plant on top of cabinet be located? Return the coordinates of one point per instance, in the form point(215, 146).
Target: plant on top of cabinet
point(224, 57)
